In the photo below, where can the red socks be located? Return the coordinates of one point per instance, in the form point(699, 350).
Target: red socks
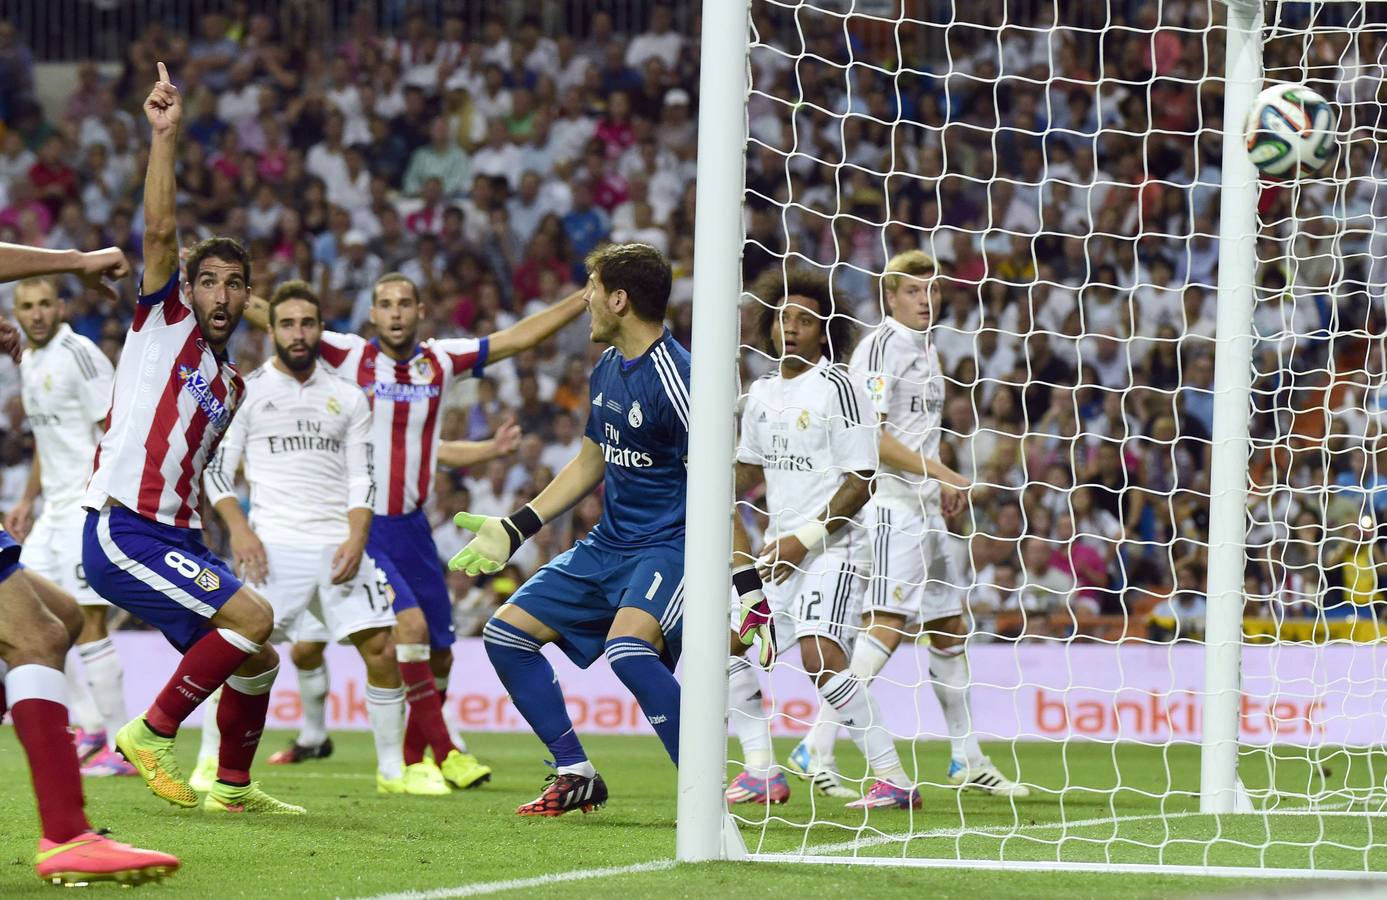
point(40, 720)
point(241, 719)
point(425, 725)
point(204, 668)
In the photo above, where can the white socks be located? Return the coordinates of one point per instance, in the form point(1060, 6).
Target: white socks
point(211, 734)
point(313, 685)
point(858, 712)
point(748, 717)
point(949, 673)
point(106, 679)
point(385, 707)
point(869, 655)
point(80, 705)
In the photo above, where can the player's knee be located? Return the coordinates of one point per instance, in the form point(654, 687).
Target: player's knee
point(263, 660)
point(251, 617)
point(946, 633)
point(410, 628)
point(70, 615)
point(822, 658)
point(43, 642)
point(306, 655)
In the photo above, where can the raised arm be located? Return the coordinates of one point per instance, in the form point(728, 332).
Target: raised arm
point(498, 538)
point(460, 454)
point(536, 329)
point(163, 109)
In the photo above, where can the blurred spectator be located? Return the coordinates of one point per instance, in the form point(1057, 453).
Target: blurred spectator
point(441, 158)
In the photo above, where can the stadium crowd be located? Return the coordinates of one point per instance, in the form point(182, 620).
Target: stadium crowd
point(1065, 175)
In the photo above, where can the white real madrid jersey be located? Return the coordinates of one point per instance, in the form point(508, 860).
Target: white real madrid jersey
point(899, 368)
point(66, 395)
point(807, 433)
point(308, 456)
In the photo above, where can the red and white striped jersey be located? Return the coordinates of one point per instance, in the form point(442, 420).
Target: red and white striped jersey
point(407, 398)
point(173, 401)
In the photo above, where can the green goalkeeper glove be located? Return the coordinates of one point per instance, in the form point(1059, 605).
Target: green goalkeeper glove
point(496, 541)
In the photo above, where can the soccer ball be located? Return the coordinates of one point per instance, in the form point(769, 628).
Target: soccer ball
point(1290, 131)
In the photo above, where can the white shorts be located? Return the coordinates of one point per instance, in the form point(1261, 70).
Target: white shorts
point(823, 598)
point(309, 607)
point(55, 552)
point(913, 572)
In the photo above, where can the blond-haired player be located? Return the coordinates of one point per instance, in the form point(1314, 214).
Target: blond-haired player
point(914, 588)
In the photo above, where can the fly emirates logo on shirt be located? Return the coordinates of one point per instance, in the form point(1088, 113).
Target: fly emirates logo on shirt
point(309, 437)
point(626, 457)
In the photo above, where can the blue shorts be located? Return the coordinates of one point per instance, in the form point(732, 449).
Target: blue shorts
point(579, 592)
point(403, 549)
point(9, 555)
point(162, 574)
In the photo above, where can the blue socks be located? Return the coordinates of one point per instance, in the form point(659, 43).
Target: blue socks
point(534, 689)
point(638, 665)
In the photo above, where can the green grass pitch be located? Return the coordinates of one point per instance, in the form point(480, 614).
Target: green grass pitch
point(356, 844)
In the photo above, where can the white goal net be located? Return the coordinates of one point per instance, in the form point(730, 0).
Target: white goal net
point(1064, 165)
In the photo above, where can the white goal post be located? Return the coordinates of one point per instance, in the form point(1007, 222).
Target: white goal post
point(1093, 816)
point(1223, 635)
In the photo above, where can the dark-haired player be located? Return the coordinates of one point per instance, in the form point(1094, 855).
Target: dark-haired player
point(807, 433)
point(406, 381)
point(305, 436)
point(618, 592)
point(175, 393)
point(38, 624)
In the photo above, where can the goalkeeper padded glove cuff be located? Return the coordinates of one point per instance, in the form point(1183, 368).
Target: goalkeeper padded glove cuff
point(745, 580)
point(757, 618)
point(521, 525)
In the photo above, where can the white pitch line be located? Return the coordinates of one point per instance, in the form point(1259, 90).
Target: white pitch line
point(515, 884)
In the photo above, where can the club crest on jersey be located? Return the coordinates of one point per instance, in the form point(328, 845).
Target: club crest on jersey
point(208, 580)
point(333, 406)
point(635, 417)
point(423, 367)
point(48, 382)
point(201, 391)
point(802, 423)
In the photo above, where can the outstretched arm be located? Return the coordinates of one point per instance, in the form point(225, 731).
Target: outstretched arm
point(460, 454)
point(163, 109)
point(536, 329)
point(18, 261)
point(498, 538)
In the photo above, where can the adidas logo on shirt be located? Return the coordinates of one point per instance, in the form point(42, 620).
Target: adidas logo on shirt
point(597, 401)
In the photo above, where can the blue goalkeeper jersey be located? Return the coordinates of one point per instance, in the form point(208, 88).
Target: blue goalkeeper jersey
point(639, 416)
